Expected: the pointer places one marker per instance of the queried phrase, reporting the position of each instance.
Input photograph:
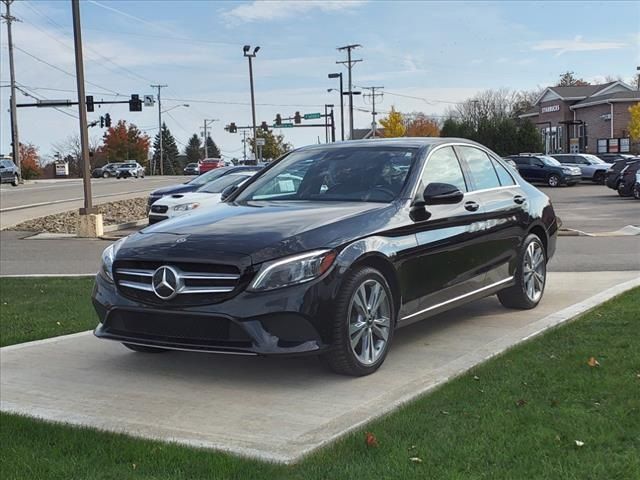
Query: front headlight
(293, 270)
(108, 256)
(183, 207)
(567, 170)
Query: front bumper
(289, 321)
(572, 178)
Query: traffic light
(135, 104)
(278, 119)
(101, 121)
(232, 128)
(107, 120)
(297, 118)
(89, 101)
(264, 126)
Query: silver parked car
(9, 172)
(130, 169)
(592, 167)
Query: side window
(503, 175)
(481, 168)
(443, 167)
(536, 162)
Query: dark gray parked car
(9, 172)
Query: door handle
(519, 199)
(471, 206)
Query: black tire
(105, 174)
(517, 296)
(636, 191)
(599, 178)
(554, 180)
(144, 348)
(16, 180)
(620, 190)
(341, 358)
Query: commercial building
(587, 119)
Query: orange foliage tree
(422, 126)
(125, 142)
(29, 161)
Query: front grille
(197, 283)
(159, 208)
(177, 328)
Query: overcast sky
(441, 52)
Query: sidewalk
(268, 408)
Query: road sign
(283, 125)
(261, 142)
(148, 101)
(311, 116)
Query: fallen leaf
(416, 459)
(593, 362)
(579, 443)
(558, 438)
(444, 412)
(475, 377)
(370, 439)
(521, 403)
(59, 324)
(134, 465)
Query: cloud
(266, 10)
(575, 45)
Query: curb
(124, 226)
(626, 231)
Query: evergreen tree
(212, 149)
(529, 139)
(192, 150)
(169, 150)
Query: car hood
(181, 188)
(189, 197)
(263, 230)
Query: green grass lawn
(517, 416)
(35, 308)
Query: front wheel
(16, 180)
(144, 348)
(530, 276)
(553, 180)
(105, 174)
(599, 178)
(363, 324)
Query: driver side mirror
(226, 193)
(442, 194)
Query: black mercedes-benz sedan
(330, 249)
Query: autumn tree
(393, 124)
(169, 151)
(569, 79)
(274, 147)
(419, 125)
(125, 142)
(193, 148)
(29, 161)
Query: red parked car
(210, 164)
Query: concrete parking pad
(273, 409)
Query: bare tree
(70, 150)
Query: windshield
(208, 176)
(129, 165)
(217, 186)
(360, 174)
(593, 160)
(550, 161)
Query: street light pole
(82, 109)
(160, 127)
(251, 56)
(339, 75)
(15, 142)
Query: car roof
(409, 142)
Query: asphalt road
(33, 200)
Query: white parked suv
(208, 195)
(130, 169)
(592, 167)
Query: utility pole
(373, 96)
(82, 110)
(207, 122)
(160, 128)
(350, 63)
(15, 142)
(251, 56)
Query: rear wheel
(363, 324)
(621, 191)
(144, 348)
(530, 276)
(636, 191)
(105, 174)
(16, 180)
(553, 180)
(599, 178)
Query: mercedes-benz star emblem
(165, 283)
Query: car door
(505, 206)
(524, 167)
(447, 262)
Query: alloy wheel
(554, 181)
(369, 321)
(534, 271)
